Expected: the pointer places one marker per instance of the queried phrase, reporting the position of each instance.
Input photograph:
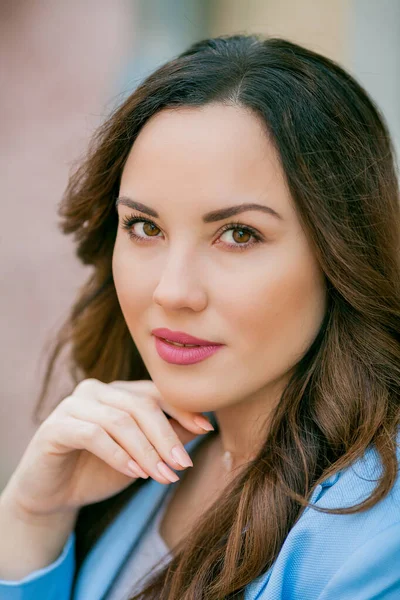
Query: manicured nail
(166, 472)
(180, 456)
(203, 423)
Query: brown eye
(150, 228)
(241, 235)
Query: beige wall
(60, 61)
(321, 25)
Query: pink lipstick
(194, 349)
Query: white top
(150, 549)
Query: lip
(178, 355)
(181, 337)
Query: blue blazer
(324, 557)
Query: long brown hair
(340, 167)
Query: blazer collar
(121, 536)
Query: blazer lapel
(119, 539)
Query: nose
(180, 286)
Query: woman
(246, 195)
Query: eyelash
(129, 221)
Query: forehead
(211, 155)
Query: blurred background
(65, 66)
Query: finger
(192, 421)
(157, 440)
(123, 428)
(154, 431)
(85, 435)
(183, 434)
(156, 427)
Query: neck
(242, 429)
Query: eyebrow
(210, 217)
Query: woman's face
(260, 294)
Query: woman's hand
(81, 453)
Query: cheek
(277, 310)
(130, 282)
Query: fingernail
(203, 423)
(180, 456)
(166, 472)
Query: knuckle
(90, 431)
(86, 385)
(46, 428)
(66, 404)
(152, 405)
(119, 418)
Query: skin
(265, 303)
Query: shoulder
(356, 483)
(325, 554)
(347, 488)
